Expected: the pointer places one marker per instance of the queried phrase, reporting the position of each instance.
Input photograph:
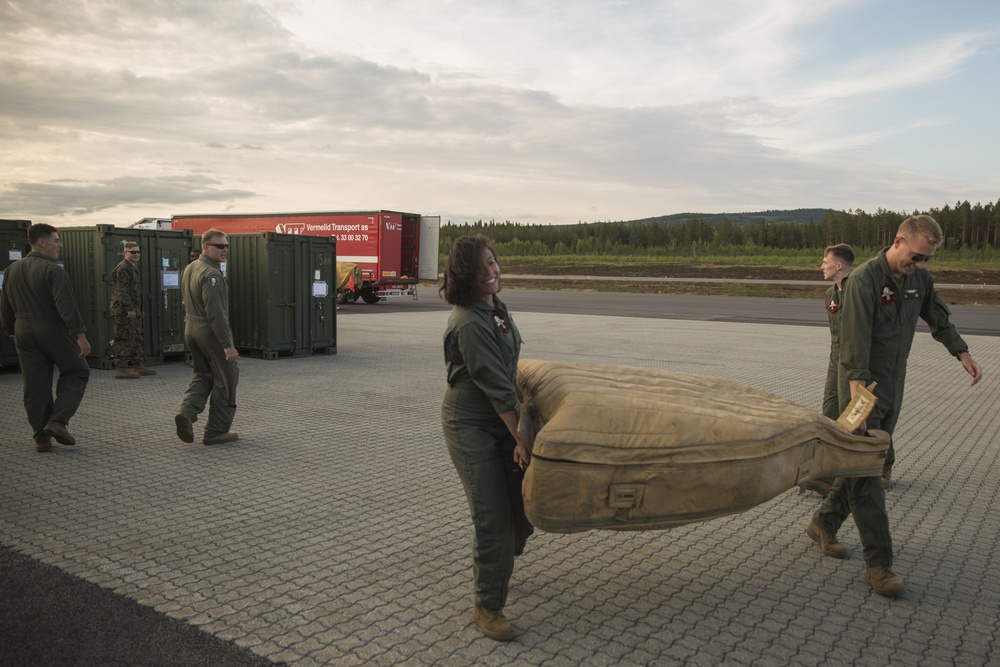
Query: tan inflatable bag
(623, 448)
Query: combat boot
(125, 374)
(58, 430)
(142, 370)
(493, 624)
(44, 446)
(184, 429)
(221, 438)
(884, 581)
(828, 542)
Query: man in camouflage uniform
(210, 339)
(126, 308)
(37, 306)
(882, 300)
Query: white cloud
(551, 111)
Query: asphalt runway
(970, 320)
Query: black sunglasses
(916, 256)
(134, 252)
(220, 246)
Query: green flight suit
(481, 349)
(37, 306)
(126, 295)
(878, 322)
(831, 404)
(206, 331)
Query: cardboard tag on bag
(859, 408)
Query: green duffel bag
(624, 448)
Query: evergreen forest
(971, 232)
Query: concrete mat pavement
(336, 532)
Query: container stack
(90, 254)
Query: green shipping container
(13, 246)
(282, 293)
(90, 254)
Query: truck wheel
(370, 296)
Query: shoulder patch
(213, 281)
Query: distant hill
(802, 215)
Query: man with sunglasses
(206, 330)
(126, 309)
(881, 303)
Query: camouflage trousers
(128, 342)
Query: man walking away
(37, 306)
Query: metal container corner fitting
(90, 255)
(282, 293)
(13, 246)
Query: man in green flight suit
(126, 308)
(881, 303)
(37, 306)
(837, 262)
(206, 330)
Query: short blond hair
(210, 234)
(925, 226)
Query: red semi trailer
(394, 250)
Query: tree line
(965, 227)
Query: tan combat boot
(493, 624)
(125, 374)
(142, 370)
(221, 438)
(828, 542)
(884, 581)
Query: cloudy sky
(535, 111)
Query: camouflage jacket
(126, 293)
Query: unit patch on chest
(502, 323)
(888, 295)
